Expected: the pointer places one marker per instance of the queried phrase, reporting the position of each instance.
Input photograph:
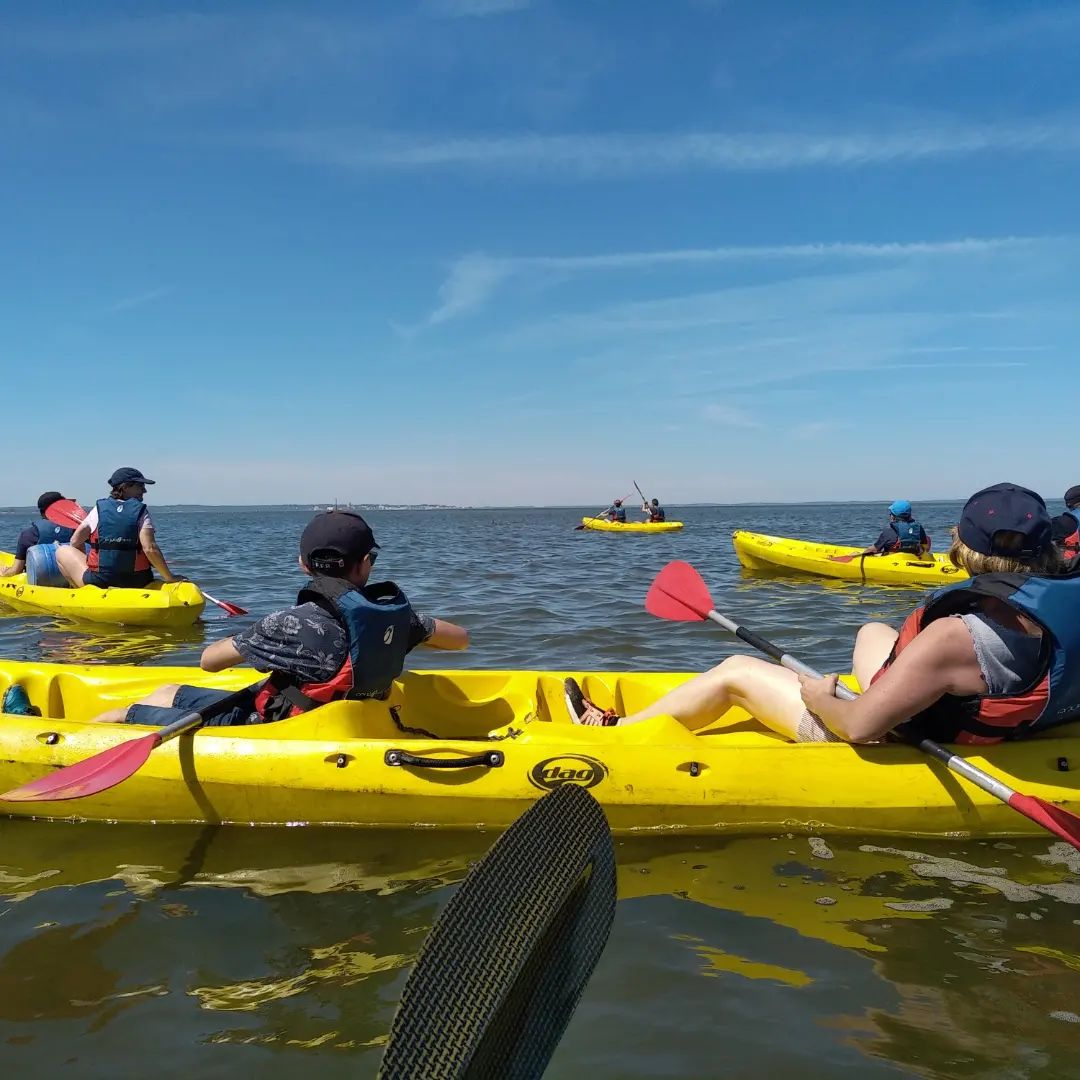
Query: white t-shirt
(91, 520)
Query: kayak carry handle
(490, 759)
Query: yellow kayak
(368, 763)
(159, 604)
(603, 525)
(759, 552)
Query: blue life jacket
(656, 513)
(910, 534)
(1054, 696)
(114, 544)
(49, 532)
(377, 620)
(619, 513)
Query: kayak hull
(331, 766)
(159, 604)
(600, 525)
(759, 552)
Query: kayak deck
(333, 765)
(759, 552)
(158, 604)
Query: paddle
(66, 513)
(229, 609)
(95, 774)
(679, 593)
(848, 558)
(578, 528)
(505, 964)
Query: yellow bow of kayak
(756, 551)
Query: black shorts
(137, 579)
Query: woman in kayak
(123, 549)
(973, 676)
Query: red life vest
(1070, 546)
(1053, 697)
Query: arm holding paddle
(447, 635)
(940, 660)
(150, 549)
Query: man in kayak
(59, 517)
(616, 512)
(123, 550)
(903, 533)
(980, 662)
(345, 638)
(1066, 527)
(654, 511)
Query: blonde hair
(1048, 562)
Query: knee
(733, 667)
(63, 555)
(873, 631)
(163, 695)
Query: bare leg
(72, 564)
(162, 696)
(767, 691)
(873, 644)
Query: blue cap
(900, 508)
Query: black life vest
(1052, 698)
(377, 620)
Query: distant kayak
(759, 552)
(602, 525)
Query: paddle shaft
(604, 511)
(957, 764)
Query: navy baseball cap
(1005, 508)
(46, 499)
(127, 475)
(1072, 497)
(335, 538)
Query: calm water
(213, 950)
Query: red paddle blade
(679, 593)
(1056, 819)
(229, 609)
(66, 512)
(88, 777)
(843, 558)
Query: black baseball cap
(127, 475)
(1005, 508)
(1072, 497)
(333, 539)
(46, 500)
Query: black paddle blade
(507, 960)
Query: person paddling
(345, 638)
(1066, 527)
(902, 534)
(123, 549)
(616, 512)
(57, 521)
(985, 660)
(654, 511)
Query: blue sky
(522, 251)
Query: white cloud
(461, 9)
(474, 278)
(729, 416)
(138, 299)
(616, 154)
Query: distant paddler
(902, 534)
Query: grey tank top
(1008, 658)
